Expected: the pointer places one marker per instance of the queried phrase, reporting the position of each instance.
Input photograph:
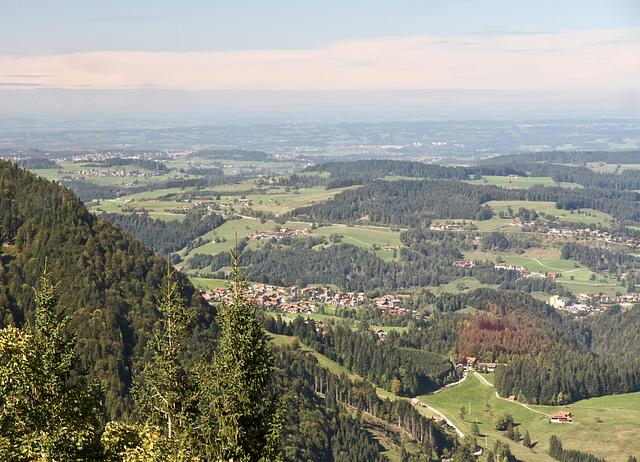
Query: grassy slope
(615, 437)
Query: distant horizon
(309, 105)
(458, 59)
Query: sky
(273, 55)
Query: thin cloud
(22, 84)
(558, 61)
(26, 76)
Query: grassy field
(576, 277)
(460, 285)
(207, 284)
(279, 201)
(549, 208)
(607, 427)
(365, 237)
(520, 183)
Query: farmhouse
(561, 417)
(466, 264)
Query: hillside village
(308, 300)
(294, 300)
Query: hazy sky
(160, 55)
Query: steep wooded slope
(107, 280)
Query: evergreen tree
(526, 441)
(510, 431)
(46, 410)
(555, 447)
(167, 396)
(248, 417)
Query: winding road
(506, 399)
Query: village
(311, 299)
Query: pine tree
(47, 412)
(526, 441)
(166, 395)
(463, 412)
(555, 447)
(248, 417)
(510, 432)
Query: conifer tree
(47, 412)
(526, 441)
(166, 395)
(248, 417)
(555, 447)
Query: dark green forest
(163, 236)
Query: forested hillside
(410, 202)
(165, 236)
(108, 281)
(426, 260)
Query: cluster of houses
(452, 226)
(523, 270)
(104, 173)
(520, 269)
(306, 300)
(237, 202)
(594, 303)
(464, 263)
(588, 232)
(279, 233)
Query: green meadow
(549, 208)
(520, 183)
(576, 277)
(608, 427)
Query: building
(561, 417)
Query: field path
(446, 420)
(506, 399)
(357, 240)
(542, 264)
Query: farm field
(207, 284)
